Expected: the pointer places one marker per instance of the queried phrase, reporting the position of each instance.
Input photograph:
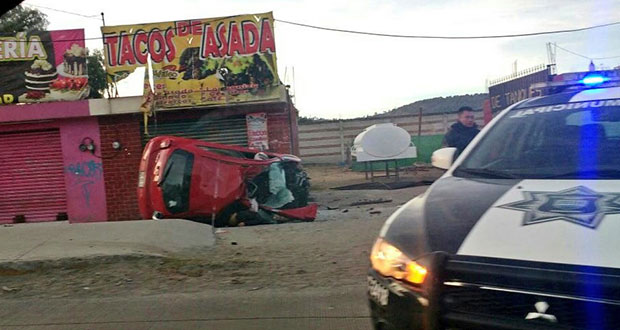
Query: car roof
(573, 96)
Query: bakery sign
(43, 66)
(199, 61)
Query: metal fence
(327, 143)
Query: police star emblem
(579, 205)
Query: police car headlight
(391, 262)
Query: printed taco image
(242, 70)
(193, 67)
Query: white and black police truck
(523, 229)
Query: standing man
(463, 131)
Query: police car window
(548, 143)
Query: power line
(586, 57)
(404, 36)
(377, 34)
(447, 37)
(64, 11)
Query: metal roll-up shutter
(227, 131)
(32, 182)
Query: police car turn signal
(389, 261)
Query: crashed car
(521, 232)
(221, 184)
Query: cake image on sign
(38, 78)
(74, 61)
(72, 82)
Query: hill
(435, 105)
(439, 105)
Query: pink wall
(40, 111)
(86, 200)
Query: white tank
(383, 142)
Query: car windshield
(562, 141)
(176, 180)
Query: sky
(338, 75)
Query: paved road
(311, 308)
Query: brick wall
(120, 168)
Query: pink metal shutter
(32, 180)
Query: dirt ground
(331, 251)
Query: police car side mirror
(443, 158)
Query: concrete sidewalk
(61, 240)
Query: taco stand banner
(43, 66)
(198, 62)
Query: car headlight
(141, 179)
(390, 261)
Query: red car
(230, 185)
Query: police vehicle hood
(558, 221)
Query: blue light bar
(593, 80)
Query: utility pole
(103, 18)
(551, 51)
(420, 122)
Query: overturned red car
(224, 184)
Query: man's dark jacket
(459, 136)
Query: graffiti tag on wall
(87, 173)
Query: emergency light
(593, 80)
(576, 81)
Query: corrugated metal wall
(227, 130)
(32, 180)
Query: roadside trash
(221, 231)
(239, 185)
(332, 207)
(255, 288)
(372, 201)
(375, 212)
(345, 211)
(233, 243)
(7, 289)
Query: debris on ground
(383, 185)
(371, 201)
(375, 212)
(7, 289)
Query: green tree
(21, 19)
(96, 75)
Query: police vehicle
(522, 231)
